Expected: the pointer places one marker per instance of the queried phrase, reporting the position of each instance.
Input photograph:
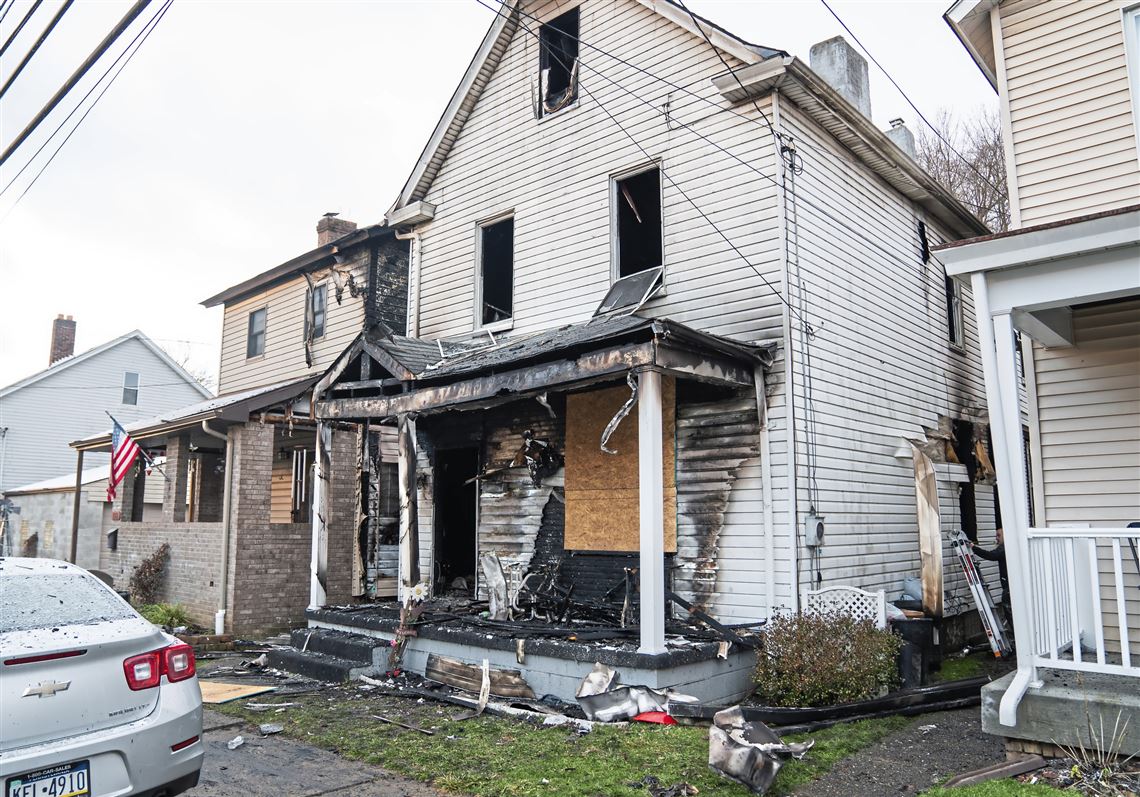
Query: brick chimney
(329, 228)
(844, 70)
(62, 339)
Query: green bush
(823, 659)
(165, 614)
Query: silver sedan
(94, 700)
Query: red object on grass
(658, 717)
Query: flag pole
(142, 452)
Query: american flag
(123, 453)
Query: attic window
(318, 304)
(255, 337)
(496, 271)
(558, 62)
(638, 209)
(130, 388)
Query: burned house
(237, 479)
(671, 313)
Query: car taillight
(179, 662)
(145, 670)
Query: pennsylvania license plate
(65, 780)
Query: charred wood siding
(713, 441)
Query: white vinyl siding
(283, 357)
(1071, 111)
(881, 368)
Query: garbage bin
(917, 654)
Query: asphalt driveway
(273, 766)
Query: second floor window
(955, 333)
(318, 302)
(558, 62)
(638, 211)
(130, 388)
(496, 271)
(255, 339)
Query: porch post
(995, 333)
(76, 503)
(651, 494)
(319, 563)
(409, 521)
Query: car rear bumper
(131, 759)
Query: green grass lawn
(494, 757)
(1000, 788)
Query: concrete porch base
(1070, 709)
(557, 667)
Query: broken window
(318, 302)
(130, 388)
(300, 485)
(255, 338)
(558, 62)
(954, 331)
(497, 270)
(638, 244)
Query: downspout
(413, 322)
(227, 488)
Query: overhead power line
(20, 27)
(921, 116)
(76, 76)
(36, 46)
(128, 53)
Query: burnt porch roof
(561, 357)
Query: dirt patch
(912, 759)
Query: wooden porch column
(319, 567)
(76, 503)
(651, 496)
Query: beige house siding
(1070, 108)
(1089, 404)
(284, 356)
(1089, 407)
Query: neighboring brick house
(239, 468)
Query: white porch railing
(1080, 582)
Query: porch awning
(232, 408)
(379, 377)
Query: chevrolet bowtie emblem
(46, 689)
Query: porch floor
(554, 659)
(1071, 709)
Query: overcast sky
(238, 124)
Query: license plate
(65, 780)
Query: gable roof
(75, 359)
(821, 102)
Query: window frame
(251, 355)
(504, 324)
(955, 315)
(1130, 27)
(615, 237)
(318, 329)
(540, 107)
(126, 387)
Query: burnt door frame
(439, 499)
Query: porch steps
(327, 655)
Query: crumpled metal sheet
(749, 753)
(603, 700)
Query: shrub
(170, 615)
(826, 658)
(146, 580)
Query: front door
(456, 503)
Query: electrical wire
(20, 27)
(664, 174)
(144, 34)
(5, 7)
(909, 102)
(35, 47)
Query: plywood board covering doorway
(602, 489)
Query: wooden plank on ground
(223, 692)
